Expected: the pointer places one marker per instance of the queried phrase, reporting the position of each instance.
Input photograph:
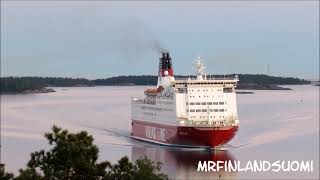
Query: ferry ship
(199, 111)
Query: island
(11, 84)
(20, 85)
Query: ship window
(221, 110)
(204, 110)
(215, 103)
(187, 110)
(192, 110)
(215, 110)
(197, 103)
(203, 103)
(198, 110)
(192, 103)
(186, 103)
(227, 90)
(209, 103)
(221, 103)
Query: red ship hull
(181, 135)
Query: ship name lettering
(155, 133)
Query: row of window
(156, 108)
(165, 102)
(144, 101)
(205, 110)
(149, 114)
(204, 90)
(206, 103)
(206, 83)
(203, 117)
(205, 96)
(153, 102)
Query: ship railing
(197, 123)
(209, 77)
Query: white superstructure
(195, 101)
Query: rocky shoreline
(42, 90)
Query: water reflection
(182, 163)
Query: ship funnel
(165, 65)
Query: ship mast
(200, 68)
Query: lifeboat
(153, 91)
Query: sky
(106, 38)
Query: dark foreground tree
(3, 174)
(143, 168)
(74, 157)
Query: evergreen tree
(74, 157)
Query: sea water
(274, 126)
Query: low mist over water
(274, 125)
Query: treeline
(259, 79)
(270, 80)
(21, 84)
(127, 80)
